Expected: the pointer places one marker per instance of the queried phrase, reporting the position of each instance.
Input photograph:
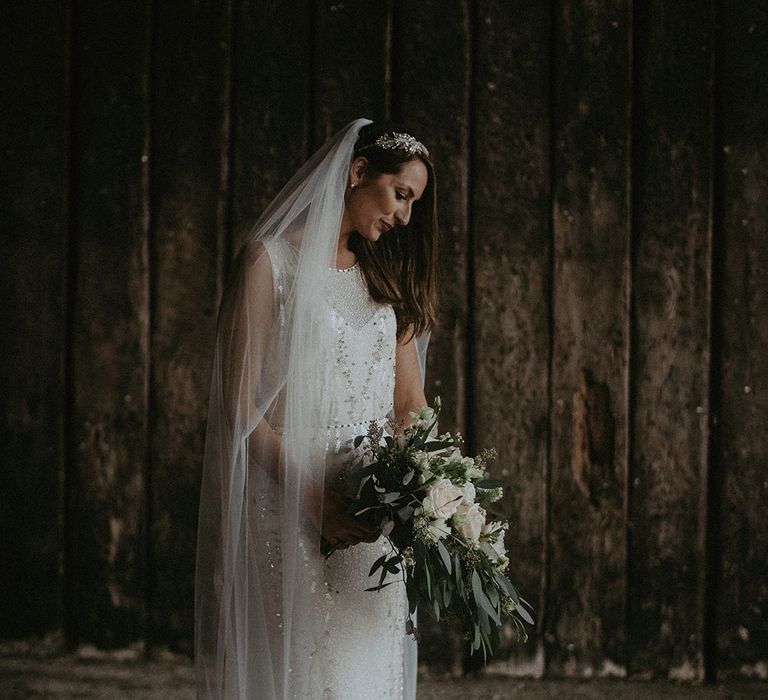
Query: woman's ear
(358, 170)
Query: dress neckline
(346, 269)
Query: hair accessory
(396, 140)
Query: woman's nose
(403, 215)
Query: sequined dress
(359, 648)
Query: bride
(322, 329)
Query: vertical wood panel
(189, 149)
(34, 186)
(586, 600)
(671, 283)
(270, 120)
(351, 61)
(430, 95)
(512, 248)
(742, 297)
(110, 348)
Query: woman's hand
(338, 527)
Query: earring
(352, 186)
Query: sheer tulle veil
(258, 545)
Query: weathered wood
(430, 96)
(189, 155)
(435, 104)
(351, 64)
(741, 298)
(271, 104)
(670, 348)
(34, 142)
(512, 281)
(110, 323)
(585, 625)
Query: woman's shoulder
(283, 254)
(265, 255)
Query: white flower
(469, 521)
(422, 460)
(401, 441)
(492, 542)
(426, 415)
(455, 456)
(437, 529)
(425, 476)
(442, 499)
(502, 562)
(468, 493)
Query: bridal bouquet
(432, 505)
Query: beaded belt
(333, 432)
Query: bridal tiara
(399, 141)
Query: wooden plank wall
(602, 174)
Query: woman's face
(379, 203)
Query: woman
(318, 333)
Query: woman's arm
(409, 393)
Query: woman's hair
(401, 267)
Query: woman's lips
(385, 226)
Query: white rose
(469, 521)
(442, 499)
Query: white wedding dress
(355, 646)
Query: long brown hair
(401, 267)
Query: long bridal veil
(258, 557)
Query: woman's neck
(344, 256)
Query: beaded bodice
(364, 362)
(353, 644)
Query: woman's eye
(400, 195)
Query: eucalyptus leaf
(490, 484)
(520, 610)
(457, 573)
(482, 599)
(436, 445)
(405, 513)
(444, 555)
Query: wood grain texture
(270, 105)
(111, 324)
(34, 184)
(585, 624)
(741, 447)
(351, 76)
(670, 358)
(430, 96)
(189, 152)
(512, 279)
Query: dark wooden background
(602, 175)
